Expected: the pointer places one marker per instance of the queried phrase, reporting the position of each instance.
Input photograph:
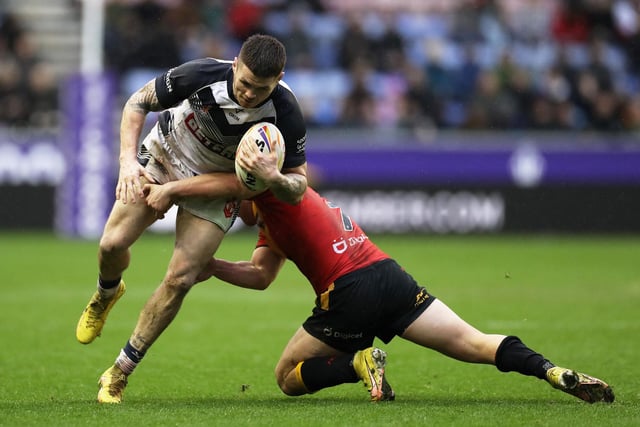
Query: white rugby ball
(267, 137)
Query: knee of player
(179, 283)
(110, 244)
(289, 381)
(286, 389)
(281, 376)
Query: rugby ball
(267, 137)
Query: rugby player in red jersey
(362, 293)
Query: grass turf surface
(574, 299)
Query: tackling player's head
(258, 69)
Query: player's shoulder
(285, 91)
(211, 67)
(182, 81)
(285, 102)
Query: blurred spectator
(389, 45)
(139, 36)
(28, 86)
(43, 96)
(570, 23)
(297, 41)
(244, 17)
(14, 93)
(359, 106)
(543, 114)
(355, 45)
(597, 64)
(521, 89)
(422, 109)
(605, 112)
(10, 30)
(439, 76)
(599, 13)
(466, 74)
(492, 107)
(568, 116)
(586, 92)
(630, 114)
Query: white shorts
(165, 168)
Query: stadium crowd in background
(459, 65)
(28, 87)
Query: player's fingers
(124, 192)
(118, 190)
(132, 192)
(148, 176)
(135, 188)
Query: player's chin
(247, 104)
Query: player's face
(248, 89)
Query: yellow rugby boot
(387, 391)
(95, 314)
(111, 385)
(580, 385)
(369, 366)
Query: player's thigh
(302, 346)
(126, 223)
(197, 240)
(440, 328)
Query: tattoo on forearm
(291, 189)
(145, 99)
(297, 183)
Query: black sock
(109, 284)
(513, 355)
(322, 372)
(132, 353)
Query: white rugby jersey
(203, 123)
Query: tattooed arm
(290, 185)
(135, 111)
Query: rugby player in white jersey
(205, 106)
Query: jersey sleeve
(263, 240)
(179, 83)
(292, 124)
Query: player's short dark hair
(264, 55)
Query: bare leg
(196, 242)
(125, 225)
(302, 346)
(441, 329)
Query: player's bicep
(268, 261)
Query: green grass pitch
(573, 298)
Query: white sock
(107, 293)
(125, 363)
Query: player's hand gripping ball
(267, 137)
